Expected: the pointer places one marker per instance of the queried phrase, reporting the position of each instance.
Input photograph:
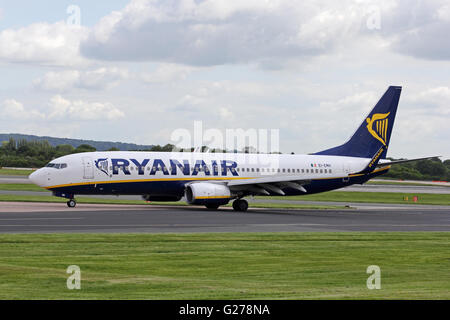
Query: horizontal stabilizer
(388, 163)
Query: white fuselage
(147, 166)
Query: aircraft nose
(37, 178)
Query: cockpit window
(56, 165)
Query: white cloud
(357, 101)
(43, 43)
(220, 32)
(101, 78)
(418, 28)
(270, 33)
(432, 101)
(13, 109)
(61, 108)
(217, 32)
(166, 72)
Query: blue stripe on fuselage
(177, 187)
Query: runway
(57, 218)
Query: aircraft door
(88, 168)
(346, 170)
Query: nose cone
(37, 178)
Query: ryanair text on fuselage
(216, 168)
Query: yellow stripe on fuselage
(188, 179)
(374, 171)
(144, 180)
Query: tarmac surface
(20, 217)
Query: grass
(13, 172)
(371, 197)
(27, 198)
(21, 187)
(414, 265)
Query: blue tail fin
(373, 135)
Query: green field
(226, 265)
(13, 172)
(21, 187)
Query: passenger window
(303, 170)
(329, 171)
(257, 169)
(288, 170)
(321, 171)
(253, 169)
(317, 170)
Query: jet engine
(208, 194)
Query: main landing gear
(240, 205)
(71, 203)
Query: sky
(139, 70)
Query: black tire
(240, 205)
(212, 206)
(71, 203)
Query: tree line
(433, 169)
(35, 154)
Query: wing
(269, 185)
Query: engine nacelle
(205, 193)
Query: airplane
(215, 179)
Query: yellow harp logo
(379, 132)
